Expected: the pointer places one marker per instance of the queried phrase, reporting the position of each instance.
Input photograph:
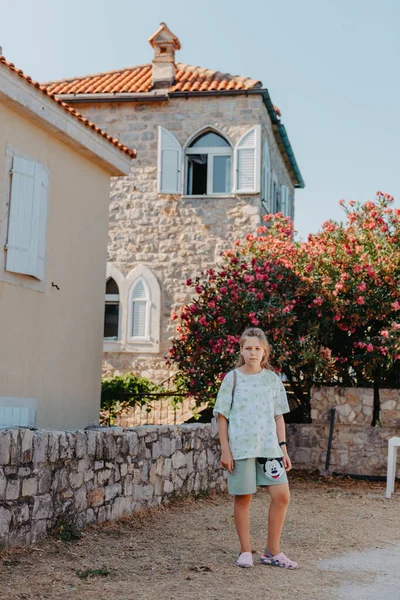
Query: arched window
(140, 309)
(209, 165)
(111, 314)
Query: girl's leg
(280, 497)
(241, 512)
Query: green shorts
(248, 473)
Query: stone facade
(357, 447)
(85, 477)
(176, 237)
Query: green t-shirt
(257, 400)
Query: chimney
(164, 43)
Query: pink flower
(188, 282)
(337, 318)
(318, 301)
(223, 290)
(370, 348)
(203, 321)
(360, 300)
(198, 289)
(288, 308)
(221, 320)
(396, 305)
(362, 287)
(385, 333)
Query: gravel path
(344, 534)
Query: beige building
(214, 157)
(55, 170)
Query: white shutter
(169, 163)
(141, 306)
(266, 178)
(139, 318)
(26, 242)
(247, 162)
(285, 200)
(18, 412)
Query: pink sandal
(245, 560)
(279, 560)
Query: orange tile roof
(129, 151)
(139, 79)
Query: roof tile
(139, 79)
(50, 93)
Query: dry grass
(187, 549)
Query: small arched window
(111, 314)
(209, 165)
(140, 307)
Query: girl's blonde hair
(255, 332)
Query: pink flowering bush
(330, 306)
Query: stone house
(55, 170)
(213, 158)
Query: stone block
(13, 489)
(111, 491)
(44, 480)
(95, 497)
(40, 447)
(123, 470)
(42, 507)
(5, 444)
(27, 445)
(103, 476)
(21, 514)
(88, 475)
(121, 508)
(53, 451)
(76, 480)
(168, 487)
(81, 444)
(38, 531)
(5, 520)
(179, 460)
(3, 484)
(80, 500)
(29, 487)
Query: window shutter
(266, 178)
(139, 318)
(285, 200)
(247, 162)
(169, 163)
(26, 243)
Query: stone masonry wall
(176, 237)
(88, 477)
(357, 447)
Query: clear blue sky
(332, 67)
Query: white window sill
(206, 196)
(140, 347)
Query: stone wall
(88, 477)
(176, 237)
(357, 447)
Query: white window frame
(147, 302)
(19, 279)
(114, 299)
(126, 343)
(212, 152)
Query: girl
(250, 407)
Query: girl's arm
(281, 432)
(226, 455)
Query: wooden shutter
(285, 200)
(169, 163)
(26, 242)
(247, 162)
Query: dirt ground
(187, 550)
